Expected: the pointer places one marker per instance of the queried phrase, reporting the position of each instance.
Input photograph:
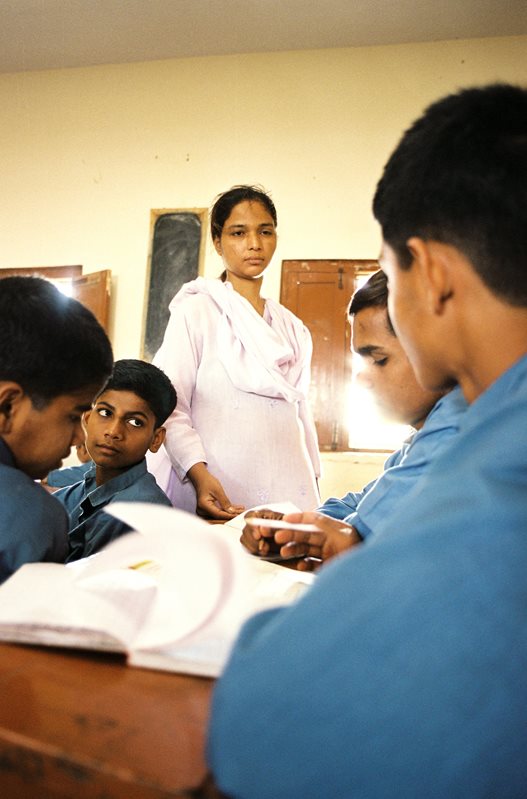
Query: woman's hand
(211, 500)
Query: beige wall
(86, 153)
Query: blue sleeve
(33, 525)
(394, 484)
(343, 507)
(401, 672)
(58, 478)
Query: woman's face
(248, 240)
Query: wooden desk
(88, 726)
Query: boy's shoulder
(139, 485)
(33, 525)
(68, 475)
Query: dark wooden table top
(86, 725)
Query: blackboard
(175, 259)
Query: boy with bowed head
(434, 415)
(54, 357)
(418, 687)
(242, 434)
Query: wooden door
(94, 291)
(51, 272)
(319, 293)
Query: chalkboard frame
(150, 284)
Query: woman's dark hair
(224, 203)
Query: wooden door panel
(52, 272)
(319, 293)
(94, 291)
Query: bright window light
(368, 429)
(65, 285)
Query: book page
(41, 603)
(146, 589)
(197, 569)
(172, 595)
(260, 585)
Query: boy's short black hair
(50, 344)
(373, 294)
(459, 176)
(148, 382)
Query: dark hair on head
(459, 176)
(224, 203)
(50, 344)
(373, 294)
(148, 382)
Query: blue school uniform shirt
(367, 509)
(403, 670)
(33, 525)
(90, 527)
(67, 476)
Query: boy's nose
(364, 379)
(113, 430)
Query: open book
(172, 595)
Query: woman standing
(242, 434)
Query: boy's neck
(494, 350)
(103, 475)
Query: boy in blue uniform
(435, 416)
(54, 357)
(402, 671)
(126, 421)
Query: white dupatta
(259, 357)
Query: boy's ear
(11, 394)
(157, 439)
(432, 261)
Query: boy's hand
(260, 540)
(332, 538)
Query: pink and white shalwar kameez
(242, 383)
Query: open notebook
(172, 595)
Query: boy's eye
(104, 412)
(381, 362)
(135, 422)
